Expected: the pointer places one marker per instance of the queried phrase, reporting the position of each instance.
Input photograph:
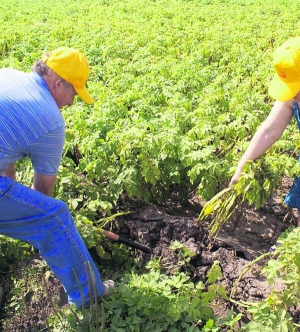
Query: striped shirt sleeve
(46, 152)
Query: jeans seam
(58, 220)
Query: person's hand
(235, 178)
(10, 171)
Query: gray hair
(42, 69)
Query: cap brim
(282, 91)
(84, 95)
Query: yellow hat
(286, 82)
(71, 65)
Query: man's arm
(43, 183)
(10, 171)
(45, 154)
(267, 134)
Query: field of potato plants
(180, 87)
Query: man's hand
(10, 171)
(43, 183)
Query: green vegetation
(180, 87)
(256, 185)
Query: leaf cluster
(256, 185)
(163, 303)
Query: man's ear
(58, 83)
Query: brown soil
(247, 236)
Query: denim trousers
(47, 224)
(292, 199)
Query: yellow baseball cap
(286, 83)
(72, 66)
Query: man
(285, 89)
(31, 125)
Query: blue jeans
(292, 199)
(46, 223)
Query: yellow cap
(72, 66)
(286, 82)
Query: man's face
(63, 94)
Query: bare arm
(10, 171)
(43, 183)
(267, 134)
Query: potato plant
(180, 87)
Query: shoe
(109, 286)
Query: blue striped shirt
(30, 122)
